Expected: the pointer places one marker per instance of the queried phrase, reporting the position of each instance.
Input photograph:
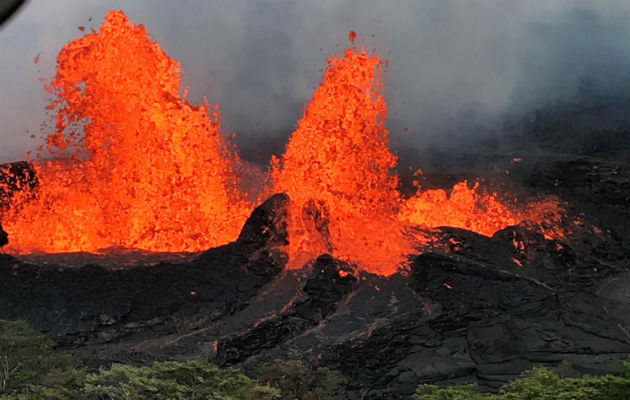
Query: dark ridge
(91, 305)
(329, 280)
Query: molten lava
(337, 171)
(465, 207)
(140, 167)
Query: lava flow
(142, 168)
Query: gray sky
(454, 64)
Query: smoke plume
(456, 68)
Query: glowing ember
(140, 167)
(150, 171)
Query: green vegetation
(28, 364)
(192, 380)
(540, 383)
(30, 369)
(296, 380)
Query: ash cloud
(456, 68)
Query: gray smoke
(456, 67)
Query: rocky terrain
(469, 308)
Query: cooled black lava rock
(329, 280)
(267, 226)
(93, 304)
(259, 247)
(490, 318)
(471, 308)
(4, 237)
(15, 177)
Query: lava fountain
(337, 170)
(140, 167)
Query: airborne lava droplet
(352, 35)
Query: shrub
(296, 380)
(541, 384)
(30, 369)
(192, 380)
(29, 364)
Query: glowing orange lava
(142, 168)
(474, 208)
(150, 170)
(337, 171)
(465, 207)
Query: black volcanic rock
(4, 237)
(267, 226)
(15, 177)
(259, 247)
(328, 281)
(483, 322)
(470, 308)
(465, 311)
(460, 313)
(92, 305)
